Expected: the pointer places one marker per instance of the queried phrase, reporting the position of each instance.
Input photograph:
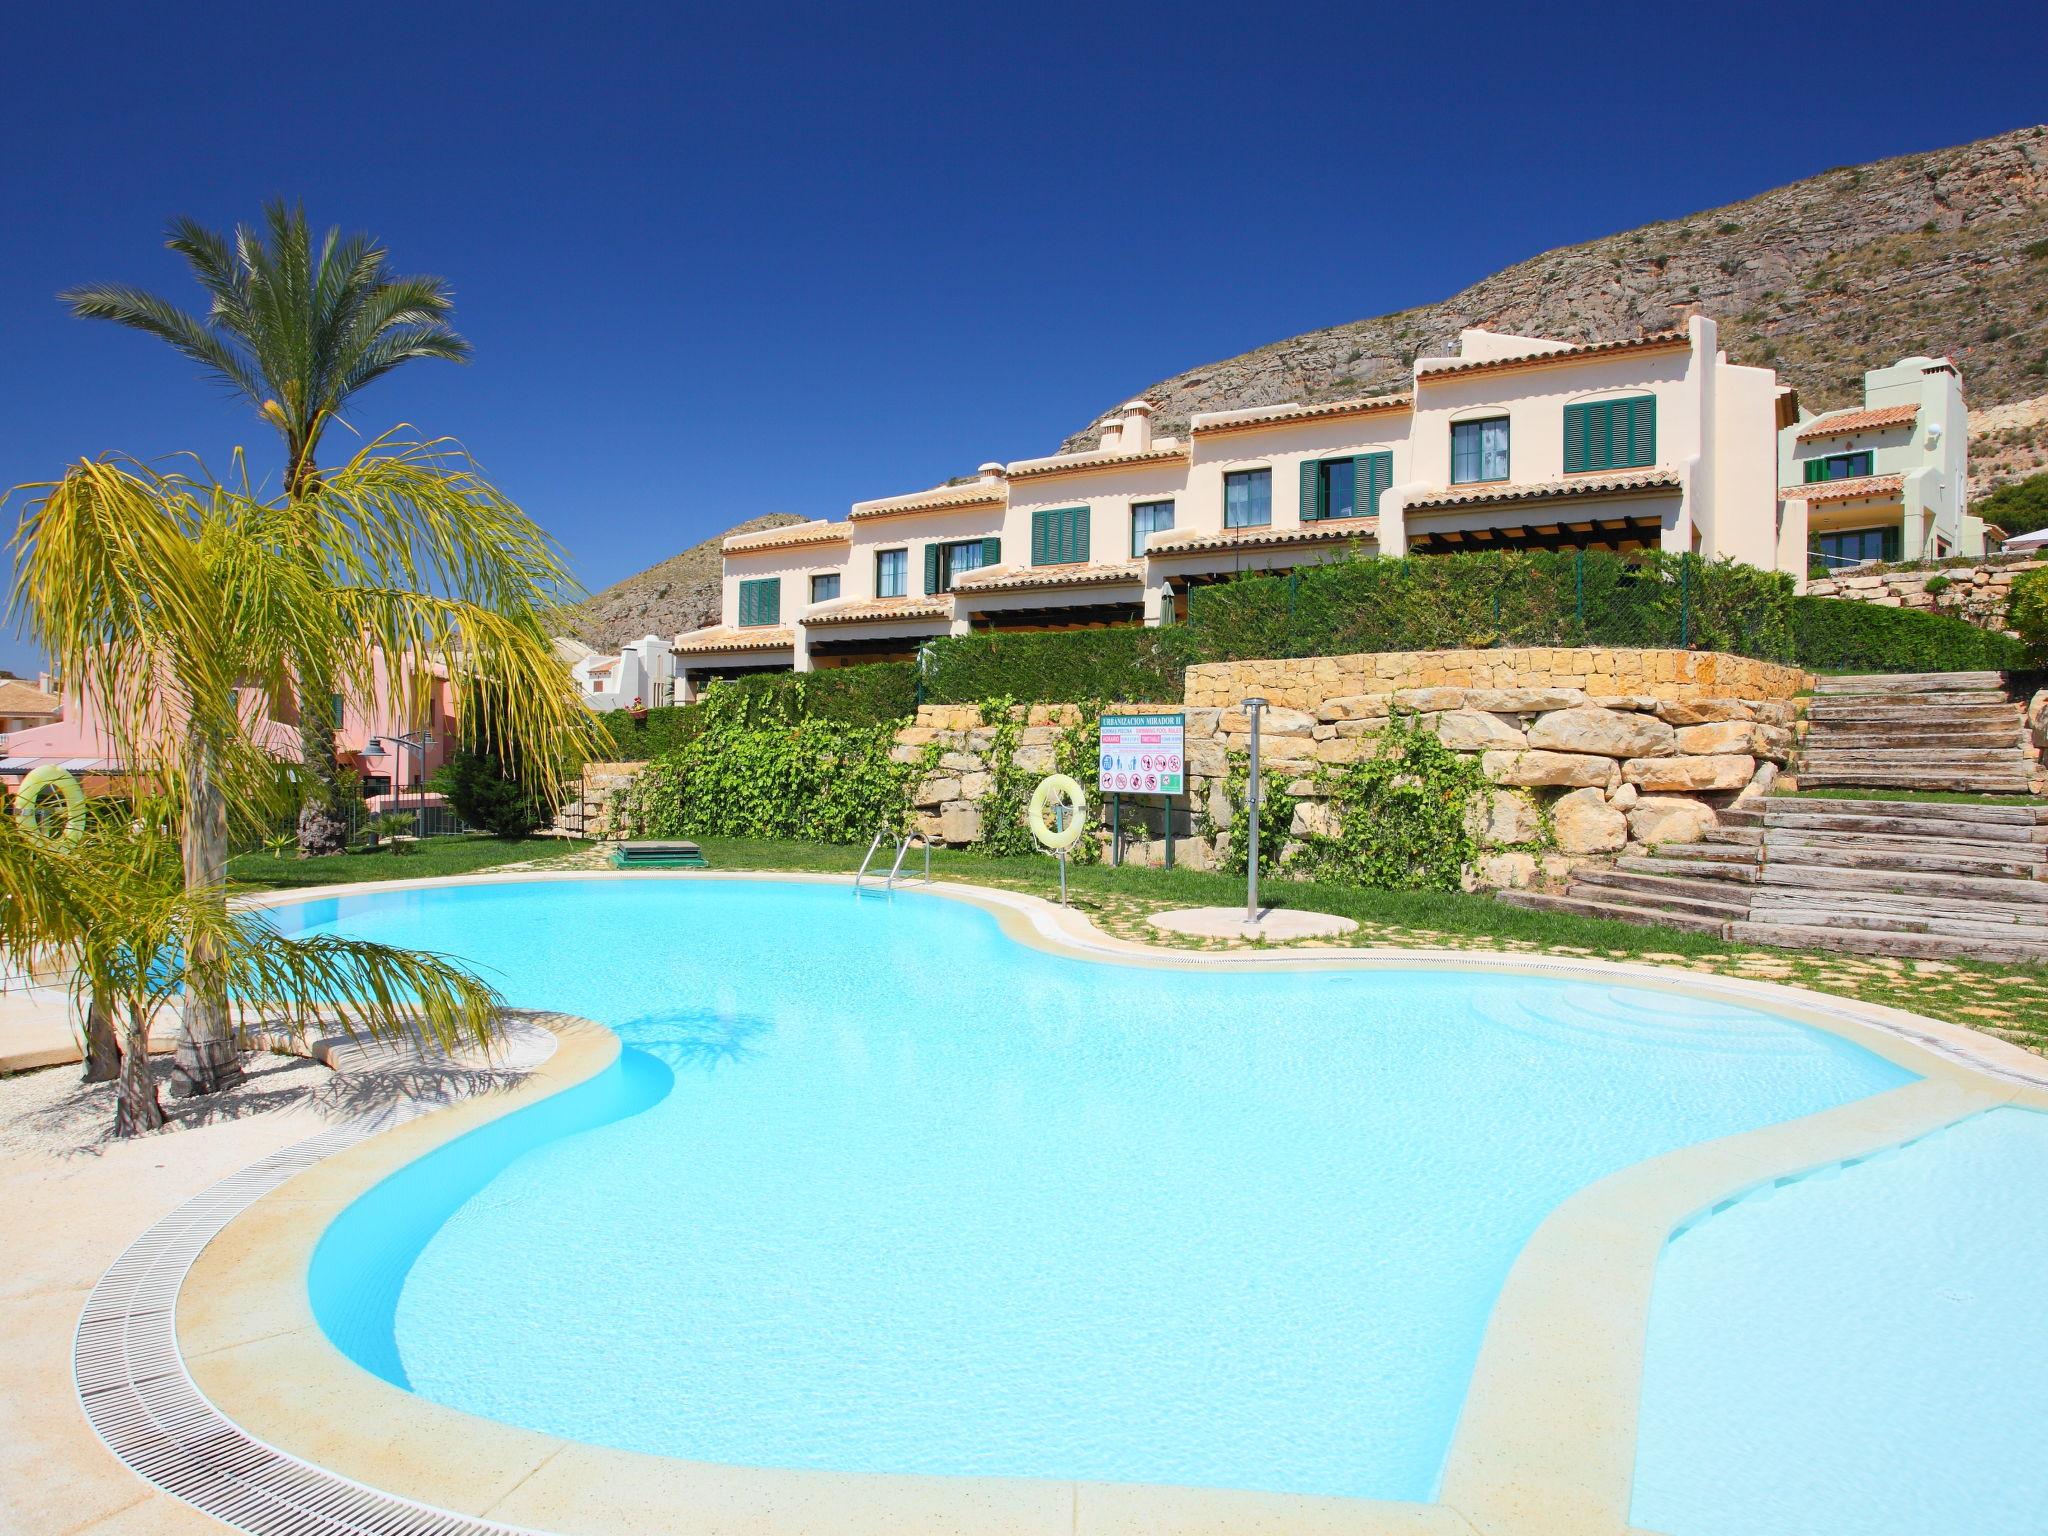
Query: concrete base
(1275, 925)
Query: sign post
(1252, 707)
(1142, 755)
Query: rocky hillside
(1942, 252)
(678, 594)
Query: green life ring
(28, 801)
(1054, 839)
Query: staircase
(1915, 879)
(1916, 730)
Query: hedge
(884, 693)
(638, 741)
(1058, 667)
(1842, 635)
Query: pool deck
(1545, 1445)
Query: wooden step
(1700, 898)
(1745, 855)
(1905, 945)
(1785, 810)
(1987, 841)
(1822, 878)
(1919, 706)
(1905, 682)
(1746, 836)
(1803, 916)
(1909, 757)
(1743, 873)
(1933, 856)
(1864, 735)
(2000, 914)
(1613, 911)
(1740, 816)
(1966, 782)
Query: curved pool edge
(1546, 1442)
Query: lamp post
(415, 742)
(1252, 707)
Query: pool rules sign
(1142, 754)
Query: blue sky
(723, 261)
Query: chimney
(1112, 436)
(992, 471)
(1137, 432)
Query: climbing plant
(1401, 818)
(1276, 816)
(1004, 831)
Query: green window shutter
(992, 551)
(746, 603)
(1078, 521)
(931, 570)
(761, 601)
(1041, 538)
(771, 601)
(1816, 469)
(1311, 490)
(1577, 429)
(1371, 473)
(1642, 430)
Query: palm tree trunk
(207, 1060)
(102, 1050)
(137, 1110)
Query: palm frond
(144, 311)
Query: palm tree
(181, 605)
(296, 332)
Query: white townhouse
(642, 673)
(1516, 442)
(1889, 479)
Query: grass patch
(424, 860)
(1923, 796)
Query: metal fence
(369, 828)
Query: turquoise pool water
(1862, 1352)
(877, 1188)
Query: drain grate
(144, 1405)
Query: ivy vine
(1403, 816)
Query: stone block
(1033, 760)
(1641, 703)
(936, 790)
(1771, 741)
(1669, 819)
(1354, 706)
(1622, 796)
(1503, 816)
(1680, 774)
(1720, 736)
(960, 762)
(1584, 823)
(1275, 721)
(1568, 769)
(1313, 818)
(1505, 871)
(1341, 749)
(1428, 700)
(1524, 701)
(1474, 730)
(973, 785)
(960, 823)
(1608, 732)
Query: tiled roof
(1844, 490)
(789, 536)
(1334, 530)
(22, 698)
(1577, 488)
(1166, 451)
(1211, 423)
(1027, 578)
(1859, 421)
(876, 610)
(976, 493)
(719, 638)
(1656, 341)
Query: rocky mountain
(666, 599)
(1941, 252)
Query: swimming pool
(876, 1187)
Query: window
(945, 564)
(892, 573)
(825, 588)
(1059, 537)
(1148, 518)
(1247, 498)
(1348, 487)
(1610, 434)
(761, 601)
(1849, 545)
(1479, 451)
(338, 710)
(1839, 466)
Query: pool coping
(1545, 1443)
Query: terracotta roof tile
(24, 698)
(876, 610)
(976, 493)
(1335, 530)
(1844, 490)
(720, 638)
(1168, 451)
(1656, 341)
(1859, 421)
(789, 536)
(1577, 488)
(1211, 423)
(1012, 578)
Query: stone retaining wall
(1592, 752)
(1975, 593)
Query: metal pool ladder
(902, 852)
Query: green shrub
(486, 796)
(637, 741)
(1454, 602)
(1842, 635)
(882, 694)
(2021, 507)
(2027, 612)
(1129, 665)
(1403, 821)
(746, 772)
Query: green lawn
(423, 860)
